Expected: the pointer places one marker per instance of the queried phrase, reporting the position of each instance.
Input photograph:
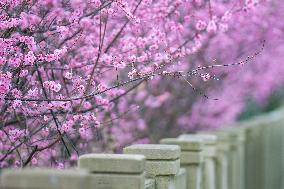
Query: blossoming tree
(73, 71)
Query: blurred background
(230, 52)
(171, 107)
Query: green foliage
(253, 108)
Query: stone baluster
(114, 171)
(191, 159)
(210, 158)
(223, 162)
(162, 164)
(44, 178)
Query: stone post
(255, 149)
(271, 131)
(237, 140)
(250, 163)
(43, 178)
(191, 159)
(223, 159)
(209, 168)
(162, 164)
(114, 171)
(281, 132)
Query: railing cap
(154, 151)
(207, 139)
(186, 144)
(112, 163)
(43, 178)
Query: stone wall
(247, 155)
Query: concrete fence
(247, 155)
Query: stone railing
(245, 156)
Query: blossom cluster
(73, 72)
